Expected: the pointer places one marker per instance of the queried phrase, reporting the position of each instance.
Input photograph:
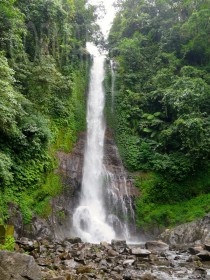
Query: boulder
(4, 275)
(195, 250)
(18, 266)
(74, 240)
(82, 269)
(156, 246)
(128, 262)
(204, 255)
(189, 233)
(200, 271)
(112, 253)
(193, 259)
(71, 264)
(207, 247)
(140, 252)
(119, 243)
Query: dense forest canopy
(161, 53)
(43, 79)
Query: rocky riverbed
(73, 259)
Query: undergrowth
(159, 205)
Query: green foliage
(9, 244)
(167, 204)
(161, 100)
(11, 29)
(5, 169)
(43, 79)
(150, 215)
(161, 115)
(7, 241)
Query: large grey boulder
(156, 246)
(189, 233)
(140, 252)
(18, 266)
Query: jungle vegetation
(161, 112)
(43, 80)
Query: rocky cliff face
(189, 233)
(71, 169)
(114, 165)
(71, 165)
(58, 225)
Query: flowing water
(104, 208)
(120, 213)
(90, 218)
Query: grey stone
(204, 255)
(193, 259)
(156, 246)
(19, 265)
(128, 262)
(71, 263)
(140, 252)
(74, 240)
(207, 247)
(119, 243)
(103, 263)
(200, 271)
(112, 253)
(189, 233)
(195, 250)
(4, 275)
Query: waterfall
(103, 209)
(89, 219)
(119, 203)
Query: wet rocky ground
(73, 259)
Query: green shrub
(168, 204)
(9, 244)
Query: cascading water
(118, 209)
(102, 208)
(89, 219)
